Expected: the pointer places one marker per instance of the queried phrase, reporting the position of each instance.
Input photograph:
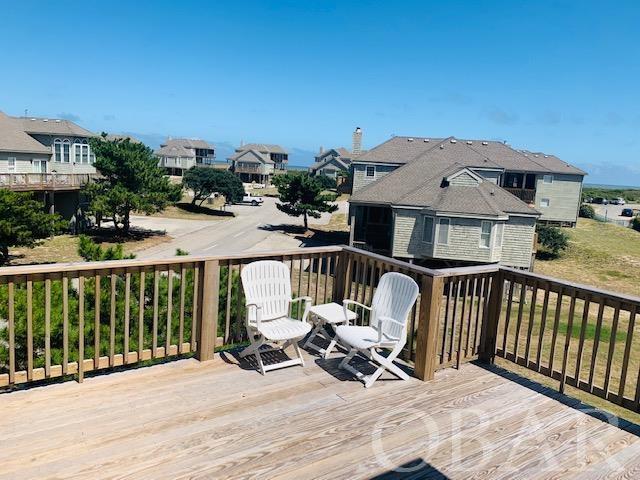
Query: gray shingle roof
(420, 183)
(401, 150)
(182, 147)
(254, 157)
(262, 148)
(15, 133)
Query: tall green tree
(23, 222)
(205, 181)
(301, 195)
(130, 181)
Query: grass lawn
(604, 255)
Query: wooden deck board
(222, 420)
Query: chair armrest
(308, 302)
(258, 313)
(382, 321)
(347, 302)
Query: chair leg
(332, 344)
(348, 358)
(296, 347)
(254, 348)
(387, 362)
(312, 335)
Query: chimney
(357, 141)
(321, 150)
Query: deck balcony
(44, 181)
(468, 411)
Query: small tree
(130, 181)
(92, 252)
(635, 224)
(327, 183)
(301, 194)
(205, 181)
(552, 238)
(587, 211)
(23, 222)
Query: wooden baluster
(167, 342)
(183, 287)
(318, 269)
(627, 353)
(431, 292)
(612, 346)
(300, 270)
(507, 317)
(195, 304)
(239, 319)
(453, 318)
(447, 312)
(596, 344)
(80, 328)
(112, 321)
(567, 341)
(554, 333)
(47, 327)
(532, 317)
(472, 297)
(12, 331)
(127, 301)
(65, 324)
(491, 317)
(543, 322)
(583, 330)
(227, 321)
(522, 299)
(156, 288)
(96, 323)
(29, 329)
(465, 292)
(141, 300)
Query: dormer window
(371, 171)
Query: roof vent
(426, 140)
(485, 143)
(453, 140)
(469, 142)
(410, 139)
(33, 119)
(546, 156)
(441, 146)
(45, 120)
(57, 120)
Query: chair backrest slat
(395, 296)
(267, 283)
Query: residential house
(179, 154)
(46, 155)
(258, 162)
(330, 162)
(442, 201)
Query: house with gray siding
(330, 163)
(176, 155)
(440, 209)
(543, 181)
(258, 162)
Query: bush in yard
(206, 181)
(327, 183)
(635, 224)
(587, 211)
(92, 252)
(552, 238)
(23, 222)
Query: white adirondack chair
(267, 288)
(389, 312)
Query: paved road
(613, 211)
(252, 227)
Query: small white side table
(327, 314)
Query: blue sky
(555, 76)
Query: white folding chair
(267, 288)
(389, 312)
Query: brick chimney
(357, 141)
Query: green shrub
(553, 239)
(635, 224)
(92, 252)
(587, 211)
(327, 183)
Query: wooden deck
(220, 419)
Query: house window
(544, 203)
(61, 150)
(39, 166)
(11, 163)
(66, 151)
(443, 231)
(500, 234)
(371, 171)
(547, 179)
(81, 152)
(485, 235)
(427, 230)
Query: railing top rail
(134, 263)
(622, 297)
(470, 270)
(398, 263)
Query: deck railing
(70, 319)
(44, 181)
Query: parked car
(617, 201)
(627, 212)
(252, 200)
(601, 201)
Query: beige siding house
(176, 155)
(444, 212)
(258, 162)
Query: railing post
(207, 326)
(340, 280)
(489, 333)
(428, 325)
